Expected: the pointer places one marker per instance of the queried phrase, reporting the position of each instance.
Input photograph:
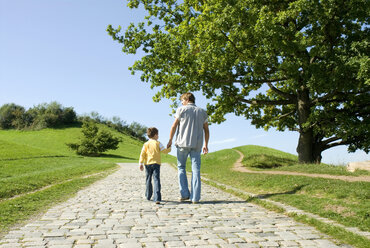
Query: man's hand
(169, 144)
(206, 137)
(141, 167)
(205, 149)
(172, 132)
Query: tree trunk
(309, 149)
(317, 149)
(305, 148)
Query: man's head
(187, 98)
(152, 132)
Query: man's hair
(151, 132)
(188, 96)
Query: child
(151, 157)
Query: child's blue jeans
(153, 170)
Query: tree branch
(285, 115)
(234, 76)
(326, 142)
(339, 143)
(342, 97)
(232, 43)
(258, 81)
(279, 92)
(268, 102)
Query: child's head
(151, 132)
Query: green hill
(37, 169)
(14, 151)
(342, 201)
(54, 141)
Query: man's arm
(206, 137)
(172, 132)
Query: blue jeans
(153, 170)
(182, 155)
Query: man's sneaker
(184, 199)
(157, 202)
(195, 202)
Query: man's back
(190, 131)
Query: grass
(338, 233)
(344, 202)
(38, 170)
(23, 176)
(18, 210)
(263, 158)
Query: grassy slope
(263, 158)
(30, 160)
(33, 160)
(345, 202)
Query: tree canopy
(290, 64)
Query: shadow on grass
(264, 161)
(35, 157)
(115, 156)
(66, 126)
(291, 192)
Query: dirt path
(238, 166)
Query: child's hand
(141, 167)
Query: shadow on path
(206, 202)
(291, 192)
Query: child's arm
(143, 157)
(164, 150)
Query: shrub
(12, 116)
(52, 115)
(94, 141)
(138, 130)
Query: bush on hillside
(135, 129)
(138, 130)
(94, 141)
(52, 115)
(13, 116)
(41, 116)
(265, 161)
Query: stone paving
(113, 212)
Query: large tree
(298, 65)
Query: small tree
(95, 141)
(11, 116)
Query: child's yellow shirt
(151, 152)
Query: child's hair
(151, 132)
(188, 96)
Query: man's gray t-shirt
(190, 131)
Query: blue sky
(60, 51)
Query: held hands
(205, 149)
(141, 167)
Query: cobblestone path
(113, 212)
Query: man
(190, 122)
